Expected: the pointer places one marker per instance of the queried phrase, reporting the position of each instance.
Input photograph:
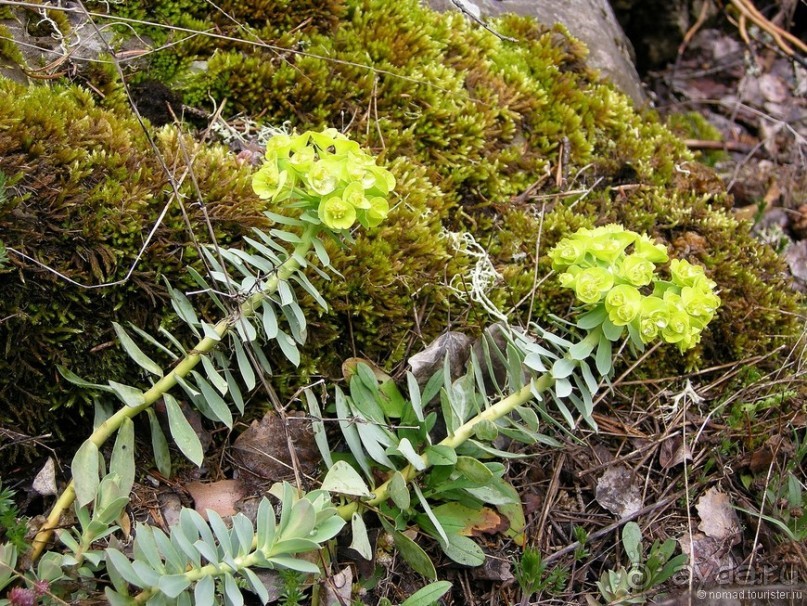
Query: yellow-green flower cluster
(614, 270)
(328, 173)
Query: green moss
(467, 122)
(692, 125)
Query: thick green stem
(463, 433)
(109, 427)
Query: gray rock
(592, 21)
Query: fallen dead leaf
(338, 588)
(674, 452)
(455, 345)
(708, 557)
(618, 491)
(262, 450)
(218, 496)
(718, 519)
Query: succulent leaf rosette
(613, 273)
(327, 173)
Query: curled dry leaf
(619, 492)
(218, 496)
(455, 345)
(262, 450)
(718, 518)
(674, 452)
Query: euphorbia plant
(329, 183)
(444, 486)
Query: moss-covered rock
(510, 142)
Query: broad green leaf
(350, 432)
(183, 308)
(145, 547)
(184, 436)
(285, 236)
(301, 521)
(632, 542)
(414, 395)
(428, 595)
(398, 491)
(244, 365)
(269, 320)
(162, 454)
(233, 389)
(131, 396)
(582, 349)
(440, 454)
(375, 440)
(612, 331)
(474, 470)
(563, 388)
(205, 591)
(197, 277)
(135, 353)
(256, 584)
(212, 374)
(123, 567)
(486, 430)
(232, 593)
(603, 360)
(282, 219)
(513, 511)
(174, 341)
(85, 469)
(418, 559)
(209, 331)
(242, 528)
(408, 451)
(285, 293)
(122, 461)
(173, 584)
(288, 347)
(296, 321)
(308, 287)
(463, 550)
(214, 401)
(343, 479)
(428, 510)
(322, 254)
(293, 563)
(563, 367)
(593, 318)
(360, 541)
(320, 435)
(73, 378)
(266, 525)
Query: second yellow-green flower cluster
(328, 172)
(614, 270)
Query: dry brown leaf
(718, 518)
(338, 588)
(262, 450)
(708, 557)
(674, 452)
(218, 496)
(619, 492)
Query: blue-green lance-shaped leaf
(360, 541)
(122, 461)
(162, 454)
(85, 470)
(135, 353)
(343, 479)
(184, 436)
